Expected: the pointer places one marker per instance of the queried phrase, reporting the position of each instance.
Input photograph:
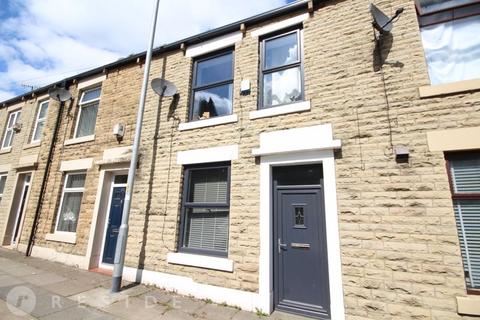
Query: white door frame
(101, 264)
(326, 158)
(20, 214)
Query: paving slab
(99, 298)
(22, 270)
(43, 279)
(7, 281)
(160, 296)
(71, 287)
(176, 314)
(136, 308)
(244, 315)
(6, 313)
(186, 304)
(214, 311)
(79, 313)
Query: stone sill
(196, 260)
(208, 122)
(31, 145)
(469, 305)
(67, 237)
(449, 88)
(6, 150)
(276, 111)
(79, 140)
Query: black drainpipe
(44, 182)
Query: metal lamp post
(123, 232)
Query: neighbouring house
(308, 163)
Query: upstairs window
(13, 119)
(72, 195)
(205, 210)
(281, 69)
(87, 114)
(3, 180)
(464, 172)
(40, 121)
(448, 30)
(212, 88)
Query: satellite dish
(381, 21)
(163, 88)
(59, 94)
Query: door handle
(281, 246)
(300, 245)
(115, 230)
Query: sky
(43, 41)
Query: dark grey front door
(300, 255)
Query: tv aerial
(59, 94)
(381, 21)
(163, 88)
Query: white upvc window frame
(39, 120)
(69, 190)
(15, 114)
(82, 104)
(3, 175)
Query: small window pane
(281, 51)
(91, 95)
(429, 6)
(213, 102)
(42, 113)
(282, 87)
(467, 215)
(87, 121)
(11, 120)
(298, 175)
(7, 141)
(214, 70)
(466, 175)
(68, 219)
(38, 131)
(207, 229)
(3, 179)
(209, 186)
(121, 179)
(76, 181)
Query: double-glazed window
(72, 195)
(40, 121)
(464, 172)
(3, 180)
(281, 69)
(205, 210)
(13, 119)
(212, 87)
(87, 114)
(449, 32)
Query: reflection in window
(212, 87)
(71, 200)
(282, 70)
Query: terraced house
(309, 163)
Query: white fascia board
(280, 25)
(318, 137)
(195, 260)
(73, 165)
(91, 82)
(214, 44)
(216, 154)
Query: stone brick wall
(400, 252)
(118, 104)
(21, 147)
(399, 246)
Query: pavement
(32, 288)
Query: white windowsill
(31, 145)
(79, 140)
(208, 122)
(67, 237)
(195, 260)
(276, 111)
(449, 88)
(6, 150)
